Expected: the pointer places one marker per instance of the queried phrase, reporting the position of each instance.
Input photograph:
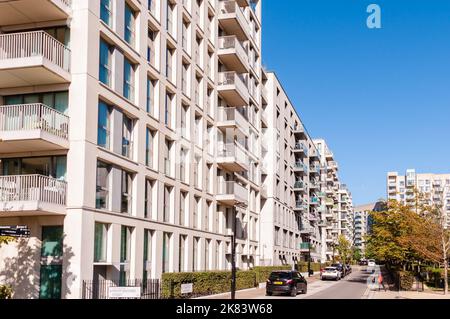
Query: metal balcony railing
(34, 44)
(25, 117)
(33, 188)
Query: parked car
(287, 282)
(330, 273)
(340, 268)
(363, 262)
(371, 263)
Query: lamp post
(309, 257)
(233, 257)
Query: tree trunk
(444, 250)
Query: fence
(99, 289)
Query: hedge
(263, 272)
(206, 283)
(405, 279)
(5, 292)
(303, 266)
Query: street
(352, 286)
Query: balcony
(329, 202)
(233, 54)
(31, 128)
(314, 201)
(299, 185)
(329, 155)
(301, 148)
(232, 158)
(304, 247)
(300, 205)
(233, 88)
(314, 169)
(314, 185)
(231, 194)
(32, 195)
(231, 118)
(300, 167)
(13, 12)
(232, 20)
(32, 58)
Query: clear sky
(380, 98)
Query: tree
(356, 254)
(344, 249)
(5, 240)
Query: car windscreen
(330, 269)
(280, 275)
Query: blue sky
(381, 98)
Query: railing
(33, 188)
(32, 44)
(24, 117)
(233, 78)
(232, 42)
(298, 184)
(314, 199)
(233, 188)
(232, 114)
(300, 165)
(232, 150)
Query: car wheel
(305, 290)
(268, 293)
(294, 292)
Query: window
(148, 243)
(102, 188)
(50, 282)
(151, 84)
(207, 250)
(52, 245)
(149, 144)
(196, 211)
(104, 125)
(126, 190)
(167, 206)
(105, 63)
(166, 252)
(105, 11)
(100, 242)
(128, 80)
(149, 189)
(183, 166)
(183, 208)
(182, 253)
(195, 254)
(168, 109)
(127, 132)
(184, 117)
(125, 244)
(129, 24)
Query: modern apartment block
(137, 136)
(289, 216)
(337, 207)
(435, 188)
(362, 223)
(130, 135)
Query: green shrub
(303, 266)
(5, 292)
(263, 272)
(205, 283)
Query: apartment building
(434, 187)
(288, 216)
(130, 139)
(362, 223)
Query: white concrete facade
(137, 135)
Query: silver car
(330, 273)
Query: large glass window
(127, 133)
(149, 189)
(125, 244)
(127, 185)
(55, 100)
(52, 166)
(150, 94)
(105, 11)
(148, 243)
(105, 63)
(129, 24)
(149, 148)
(128, 80)
(104, 125)
(50, 282)
(182, 253)
(102, 188)
(52, 241)
(166, 252)
(100, 242)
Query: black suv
(286, 281)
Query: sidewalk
(253, 293)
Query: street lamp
(309, 257)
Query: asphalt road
(351, 287)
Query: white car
(330, 273)
(371, 263)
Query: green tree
(344, 249)
(356, 254)
(5, 240)
(5, 291)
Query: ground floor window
(50, 282)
